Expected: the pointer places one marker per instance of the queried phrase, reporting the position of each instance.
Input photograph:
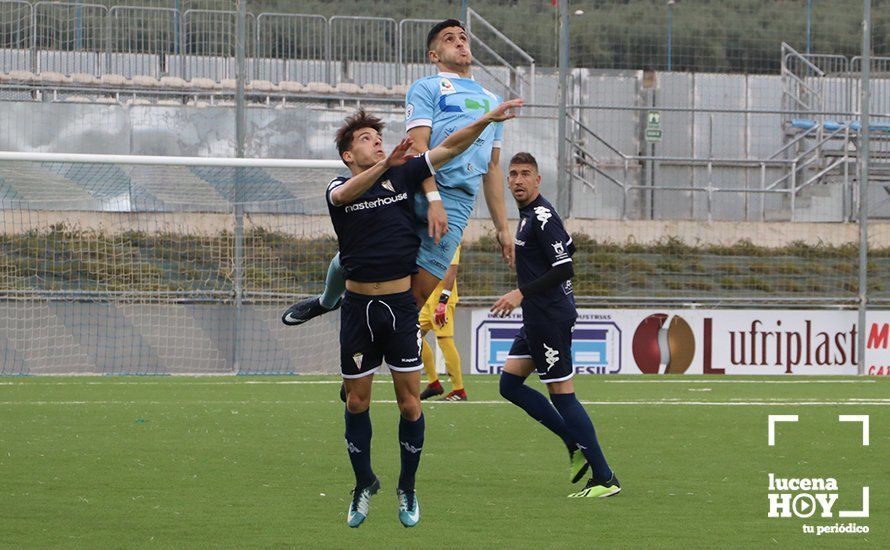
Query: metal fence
(82, 38)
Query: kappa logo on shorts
(551, 356)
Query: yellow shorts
(429, 312)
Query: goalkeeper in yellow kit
(438, 315)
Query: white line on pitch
(234, 381)
(736, 381)
(874, 402)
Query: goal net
(162, 265)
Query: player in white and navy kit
(373, 215)
(544, 272)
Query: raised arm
(356, 186)
(460, 141)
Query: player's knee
(509, 384)
(409, 407)
(358, 401)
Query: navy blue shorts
(374, 328)
(549, 346)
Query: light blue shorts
(436, 258)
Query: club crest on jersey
(388, 186)
(446, 87)
(543, 214)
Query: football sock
(452, 362)
(429, 361)
(334, 284)
(358, 444)
(581, 429)
(513, 389)
(410, 446)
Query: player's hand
(505, 240)
(437, 221)
(401, 153)
(439, 317)
(507, 303)
(505, 111)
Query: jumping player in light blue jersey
(436, 106)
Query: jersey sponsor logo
(409, 110)
(382, 201)
(551, 356)
(543, 214)
(446, 108)
(446, 87)
(388, 186)
(474, 105)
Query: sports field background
(241, 462)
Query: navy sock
(581, 429)
(411, 444)
(358, 444)
(513, 389)
(334, 284)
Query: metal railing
(71, 38)
(294, 47)
(807, 167)
(518, 84)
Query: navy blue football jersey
(542, 243)
(376, 232)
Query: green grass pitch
(244, 462)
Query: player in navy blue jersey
(544, 272)
(373, 216)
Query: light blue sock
(334, 284)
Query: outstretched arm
(460, 141)
(356, 186)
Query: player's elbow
(337, 198)
(569, 270)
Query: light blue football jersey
(446, 103)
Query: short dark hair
(524, 158)
(352, 124)
(434, 32)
